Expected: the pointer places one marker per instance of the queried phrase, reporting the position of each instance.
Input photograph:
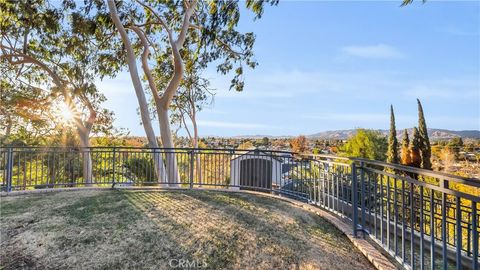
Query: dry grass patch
(146, 229)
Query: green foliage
(265, 142)
(213, 37)
(406, 158)
(392, 153)
(456, 142)
(425, 148)
(140, 169)
(366, 144)
(52, 53)
(415, 146)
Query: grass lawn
(114, 229)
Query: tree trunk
(167, 140)
(142, 101)
(87, 158)
(198, 170)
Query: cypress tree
(392, 153)
(415, 153)
(425, 149)
(406, 158)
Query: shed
(256, 169)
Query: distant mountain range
(433, 133)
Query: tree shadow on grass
(148, 229)
(229, 231)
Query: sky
(329, 65)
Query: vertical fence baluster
(432, 230)
(395, 216)
(422, 253)
(412, 224)
(388, 218)
(375, 212)
(444, 184)
(354, 199)
(458, 244)
(382, 236)
(362, 194)
(192, 164)
(113, 165)
(474, 236)
(9, 169)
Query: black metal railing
(424, 219)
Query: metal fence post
(354, 198)
(192, 164)
(362, 196)
(9, 169)
(113, 169)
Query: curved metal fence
(424, 219)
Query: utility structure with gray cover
(255, 169)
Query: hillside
(434, 134)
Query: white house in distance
(256, 169)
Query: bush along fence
(424, 219)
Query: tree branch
(159, 18)
(221, 42)
(146, 68)
(186, 24)
(29, 59)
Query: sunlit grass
(141, 229)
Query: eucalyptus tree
(58, 50)
(193, 95)
(171, 29)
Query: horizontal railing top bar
(149, 148)
(313, 156)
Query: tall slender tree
(415, 153)
(392, 152)
(406, 158)
(425, 148)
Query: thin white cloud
(452, 88)
(120, 85)
(366, 117)
(221, 124)
(361, 118)
(288, 84)
(457, 31)
(379, 51)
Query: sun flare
(65, 112)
